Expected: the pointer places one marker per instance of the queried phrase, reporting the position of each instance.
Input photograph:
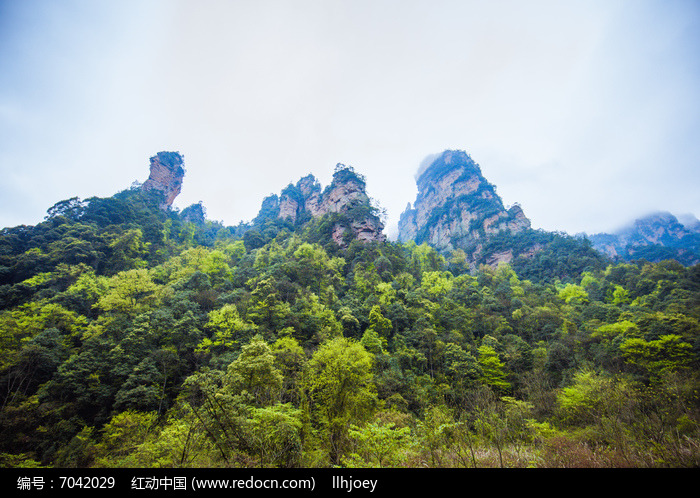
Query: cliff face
(166, 175)
(457, 208)
(655, 237)
(345, 203)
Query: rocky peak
(309, 185)
(456, 207)
(653, 237)
(659, 228)
(195, 213)
(166, 174)
(345, 199)
(347, 189)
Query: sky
(585, 112)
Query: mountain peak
(456, 207)
(654, 237)
(166, 174)
(345, 200)
(441, 164)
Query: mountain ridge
(134, 334)
(456, 209)
(656, 236)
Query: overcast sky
(586, 112)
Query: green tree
(127, 250)
(228, 330)
(275, 435)
(492, 368)
(222, 414)
(667, 353)
(181, 442)
(587, 399)
(266, 308)
(122, 436)
(339, 392)
(377, 322)
(435, 432)
(437, 283)
(372, 342)
(129, 293)
(254, 372)
(573, 294)
(290, 359)
(379, 445)
(462, 370)
(317, 269)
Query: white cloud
(573, 109)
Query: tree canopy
(132, 336)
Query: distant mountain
(655, 237)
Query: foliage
(132, 336)
(338, 389)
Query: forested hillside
(133, 336)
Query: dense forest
(137, 337)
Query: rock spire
(166, 175)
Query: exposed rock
(497, 258)
(167, 172)
(300, 198)
(289, 208)
(310, 190)
(456, 207)
(345, 199)
(195, 213)
(342, 195)
(368, 229)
